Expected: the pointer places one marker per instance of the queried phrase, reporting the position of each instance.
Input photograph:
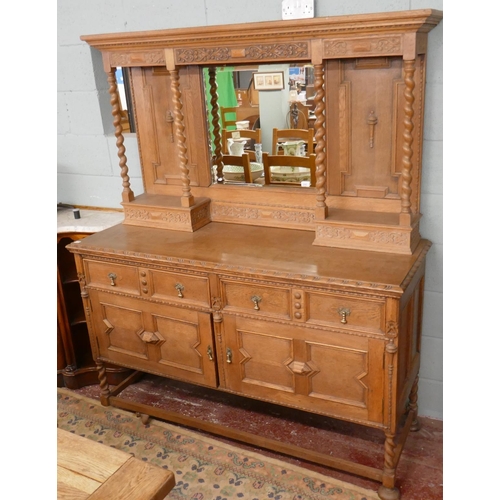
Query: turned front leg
(103, 383)
(388, 490)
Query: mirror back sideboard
(309, 298)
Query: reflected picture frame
(269, 81)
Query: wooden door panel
(184, 345)
(336, 374)
(367, 95)
(264, 360)
(154, 338)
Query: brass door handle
(256, 299)
(112, 277)
(344, 312)
(210, 354)
(179, 289)
(229, 356)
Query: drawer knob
(344, 312)
(112, 277)
(256, 299)
(179, 289)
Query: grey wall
(88, 173)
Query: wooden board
(93, 471)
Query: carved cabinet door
(337, 374)
(155, 338)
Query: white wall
(88, 173)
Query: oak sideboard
(309, 297)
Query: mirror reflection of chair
(239, 161)
(253, 136)
(290, 173)
(228, 121)
(293, 134)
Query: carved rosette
(392, 333)
(216, 307)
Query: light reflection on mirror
(289, 107)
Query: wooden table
(87, 470)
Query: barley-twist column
(187, 199)
(127, 193)
(103, 383)
(413, 405)
(409, 72)
(387, 490)
(214, 102)
(319, 126)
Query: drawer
(343, 311)
(256, 298)
(112, 276)
(170, 286)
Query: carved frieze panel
(259, 52)
(284, 215)
(378, 239)
(182, 219)
(144, 58)
(356, 47)
(382, 237)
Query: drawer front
(176, 286)
(256, 298)
(345, 312)
(112, 276)
(155, 338)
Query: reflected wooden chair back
(228, 121)
(293, 134)
(239, 161)
(253, 136)
(270, 161)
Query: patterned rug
(205, 469)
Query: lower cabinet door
(327, 372)
(155, 338)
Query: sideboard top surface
(256, 251)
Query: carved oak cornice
(255, 39)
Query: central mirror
(261, 124)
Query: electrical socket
(297, 9)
